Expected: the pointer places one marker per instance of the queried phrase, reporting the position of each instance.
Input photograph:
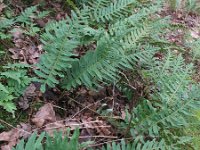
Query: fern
(124, 41)
(25, 18)
(57, 142)
(52, 143)
(26, 15)
(104, 11)
(33, 143)
(172, 100)
(5, 23)
(109, 57)
(59, 48)
(14, 80)
(148, 145)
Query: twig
(129, 83)
(84, 106)
(99, 144)
(87, 107)
(75, 124)
(92, 127)
(98, 136)
(4, 122)
(113, 98)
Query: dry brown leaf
(2, 6)
(28, 95)
(25, 48)
(56, 126)
(11, 137)
(6, 147)
(62, 126)
(17, 33)
(46, 114)
(195, 33)
(27, 128)
(102, 130)
(15, 53)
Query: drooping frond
(104, 64)
(60, 39)
(172, 99)
(59, 52)
(26, 15)
(94, 66)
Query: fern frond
(172, 99)
(110, 11)
(103, 64)
(94, 66)
(58, 141)
(33, 143)
(59, 49)
(26, 15)
(147, 145)
(5, 23)
(6, 102)
(15, 82)
(60, 39)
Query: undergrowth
(127, 36)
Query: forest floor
(96, 114)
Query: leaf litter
(82, 108)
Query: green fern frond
(26, 15)
(103, 64)
(5, 23)
(60, 39)
(117, 9)
(6, 102)
(15, 82)
(58, 141)
(172, 99)
(33, 143)
(59, 48)
(148, 145)
(94, 66)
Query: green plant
(52, 143)
(113, 48)
(186, 5)
(14, 80)
(175, 4)
(148, 145)
(25, 19)
(126, 37)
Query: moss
(20, 116)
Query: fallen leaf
(56, 126)
(45, 114)
(28, 95)
(11, 137)
(17, 33)
(195, 34)
(27, 128)
(2, 6)
(6, 147)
